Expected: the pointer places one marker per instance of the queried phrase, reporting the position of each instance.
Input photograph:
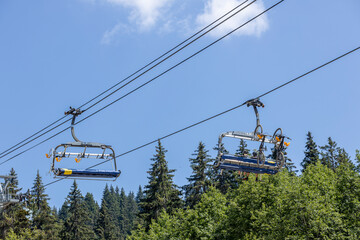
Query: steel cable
(224, 112)
(2, 154)
(144, 84)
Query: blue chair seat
(94, 173)
(230, 162)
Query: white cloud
(111, 34)
(145, 13)
(168, 16)
(216, 8)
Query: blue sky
(56, 54)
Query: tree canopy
(320, 202)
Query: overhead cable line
(22, 145)
(169, 51)
(224, 112)
(7, 150)
(179, 63)
(178, 50)
(155, 60)
(144, 84)
(28, 149)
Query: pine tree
(132, 211)
(63, 212)
(343, 158)
(13, 216)
(14, 183)
(311, 152)
(161, 194)
(289, 165)
(222, 180)
(107, 224)
(139, 198)
(43, 219)
(123, 219)
(329, 154)
(75, 227)
(55, 212)
(120, 211)
(242, 149)
(115, 210)
(198, 181)
(38, 196)
(93, 210)
(139, 195)
(357, 159)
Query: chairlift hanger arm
(75, 112)
(255, 103)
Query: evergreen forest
(319, 201)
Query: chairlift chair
(258, 164)
(60, 152)
(6, 197)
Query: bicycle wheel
(260, 158)
(277, 133)
(280, 160)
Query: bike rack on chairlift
(88, 174)
(257, 163)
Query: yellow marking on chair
(271, 162)
(67, 171)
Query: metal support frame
(75, 113)
(57, 155)
(7, 198)
(255, 103)
(227, 161)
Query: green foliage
(63, 212)
(92, 208)
(319, 204)
(201, 222)
(75, 227)
(343, 158)
(227, 179)
(26, 234)
(198, 181)
(14, 216)
(348, 199)
(131, 213)
(14, 183)
(242, 149)
(333, 156)
(285, 206)
(161, 193)
(311, 152)
(322, 203)
(328, 154)
(357, 159)
(289, 165)
(117, 215)
(139, 195)
(123, 218)
(42, 216)
(107, 222)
